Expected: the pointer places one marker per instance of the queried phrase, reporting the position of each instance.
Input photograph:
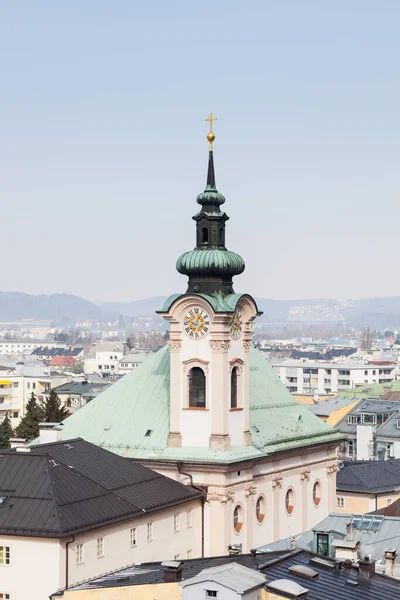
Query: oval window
(316, 493)
(260, 509)
(238, 518)
(289, 501)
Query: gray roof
(56, 351)
(325, 407)
(329, 584)
(232, 575)
(71, 487)
(153, 572)
(134, 357)
(372, 542)
(373, 406)
(82, 388)
(369, 476)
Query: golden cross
(211, 136)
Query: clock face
(196, 323)
(236, 325)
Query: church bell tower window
(234, 388)
(197, 388)
(204, 235)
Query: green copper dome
(210, 197)
(210, 266)
(210, 261)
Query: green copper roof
(220, 302)
(210, 260)
(119, 418)
(210, 197)
(371, 390)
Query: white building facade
(307, 377)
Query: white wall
(34, 570)
(244, 483)
(166, 544)
(37, 566)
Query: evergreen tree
(54, 412)
(129, 343)
(29, 426)
(5, 432)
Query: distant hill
(15, 306)
(137, 308)
(378, 313)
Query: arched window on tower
(234, 388)
(204, 235)
(197, 388)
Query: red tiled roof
(62, 361)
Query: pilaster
(219, 438)
(174, 436)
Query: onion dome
(210, 266)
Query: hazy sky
(103, 150)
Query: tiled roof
(65, 488)
(119, 418)
(393, 510)
(372, 476)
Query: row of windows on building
(133, 537)
(197, 388)
(340, 501)
(261, 506)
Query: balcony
(5, 391)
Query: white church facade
(208, 409)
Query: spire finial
(211, 136)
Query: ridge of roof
(49, 481)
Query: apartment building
(372, 431)
(307, 377)
(25, 345)
(104, 360)
(131, 361)
(17, 385)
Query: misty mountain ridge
(377, 312)
(16, 306)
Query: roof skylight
(366, 522)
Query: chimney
(390, 561)
(367, 568)
(17, 442)
(49, 432)
(349, 532)
(172, 571)
(338, 565)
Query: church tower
(210, 335)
